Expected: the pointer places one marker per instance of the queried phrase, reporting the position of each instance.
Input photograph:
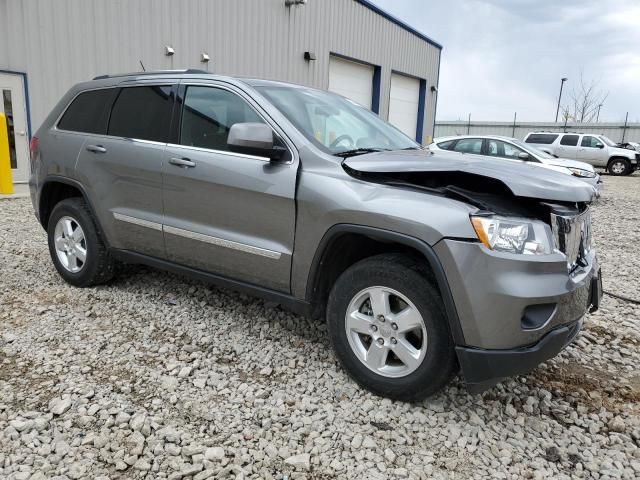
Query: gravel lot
(156, 376)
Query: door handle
(182, 162)
(96, 149)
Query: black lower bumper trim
(484, 368)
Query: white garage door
(403, 103)
(352, 80)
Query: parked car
(421, 267)
(597, 150)
(517, 151)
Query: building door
(14, 108)
(352, 80)
(404, 104)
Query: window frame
(173, 83)
(176, 121)
(557, 135)
(482, 145)
(565, 135)
(515, 147)
(598, 141)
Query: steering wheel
(337, 141)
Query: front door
(14, 108)
(227, 213)
(592, 151)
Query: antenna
(142, 65)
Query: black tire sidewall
(76, 209)
(389, 271)
(627, 167)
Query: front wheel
(388, 328)
(619, 166)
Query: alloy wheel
(386, 331)
(70, 244)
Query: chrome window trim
(221, 152)
(221, 242)
(137, 221)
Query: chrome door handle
(96, 149)
(182, 162)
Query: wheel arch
(55, 189)
(368, 241)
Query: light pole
(564, 79)
(598, 114)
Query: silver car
(518, 151)
(421, 267)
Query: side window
(541, 138)
(569, 140)
(498, 148)
(588, 141)
(142, 112)
(445, 145)
(208, 115)
(469, 145)
(89, 112)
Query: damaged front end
(523, 285)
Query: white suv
(597, 150)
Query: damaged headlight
(513, 235)
(578, 172)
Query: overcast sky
(502, 56)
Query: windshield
(537, 152)
(607, 141)
(333, 123)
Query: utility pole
(624, 129)
(513, 130)
(562, 80)
(469, 125)
(598, 114)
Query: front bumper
(514, 312)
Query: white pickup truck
(597, 150)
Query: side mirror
(524, 156)
(254, 139)
(599, 145)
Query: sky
(506, 56)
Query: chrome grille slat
(572, 235)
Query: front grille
(572, 235)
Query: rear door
(568, 146)
(592, 151)
(227, 213)
(123, 169)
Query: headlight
(513, 235)
(578, 172)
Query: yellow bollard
(6, 185)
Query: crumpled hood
(527, 180)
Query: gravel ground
(156, 376)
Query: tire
(396, 379)
(97, 266)
(619, 167)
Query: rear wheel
(388, 328)
(76, 248)
(619, 166)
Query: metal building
(348, 46)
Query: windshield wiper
(359, 151)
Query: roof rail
(151, 72)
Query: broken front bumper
(515, 312)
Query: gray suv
(423, 267)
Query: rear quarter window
(445, 145)
(89, 112)
(541, 138)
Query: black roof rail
(152, 72)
